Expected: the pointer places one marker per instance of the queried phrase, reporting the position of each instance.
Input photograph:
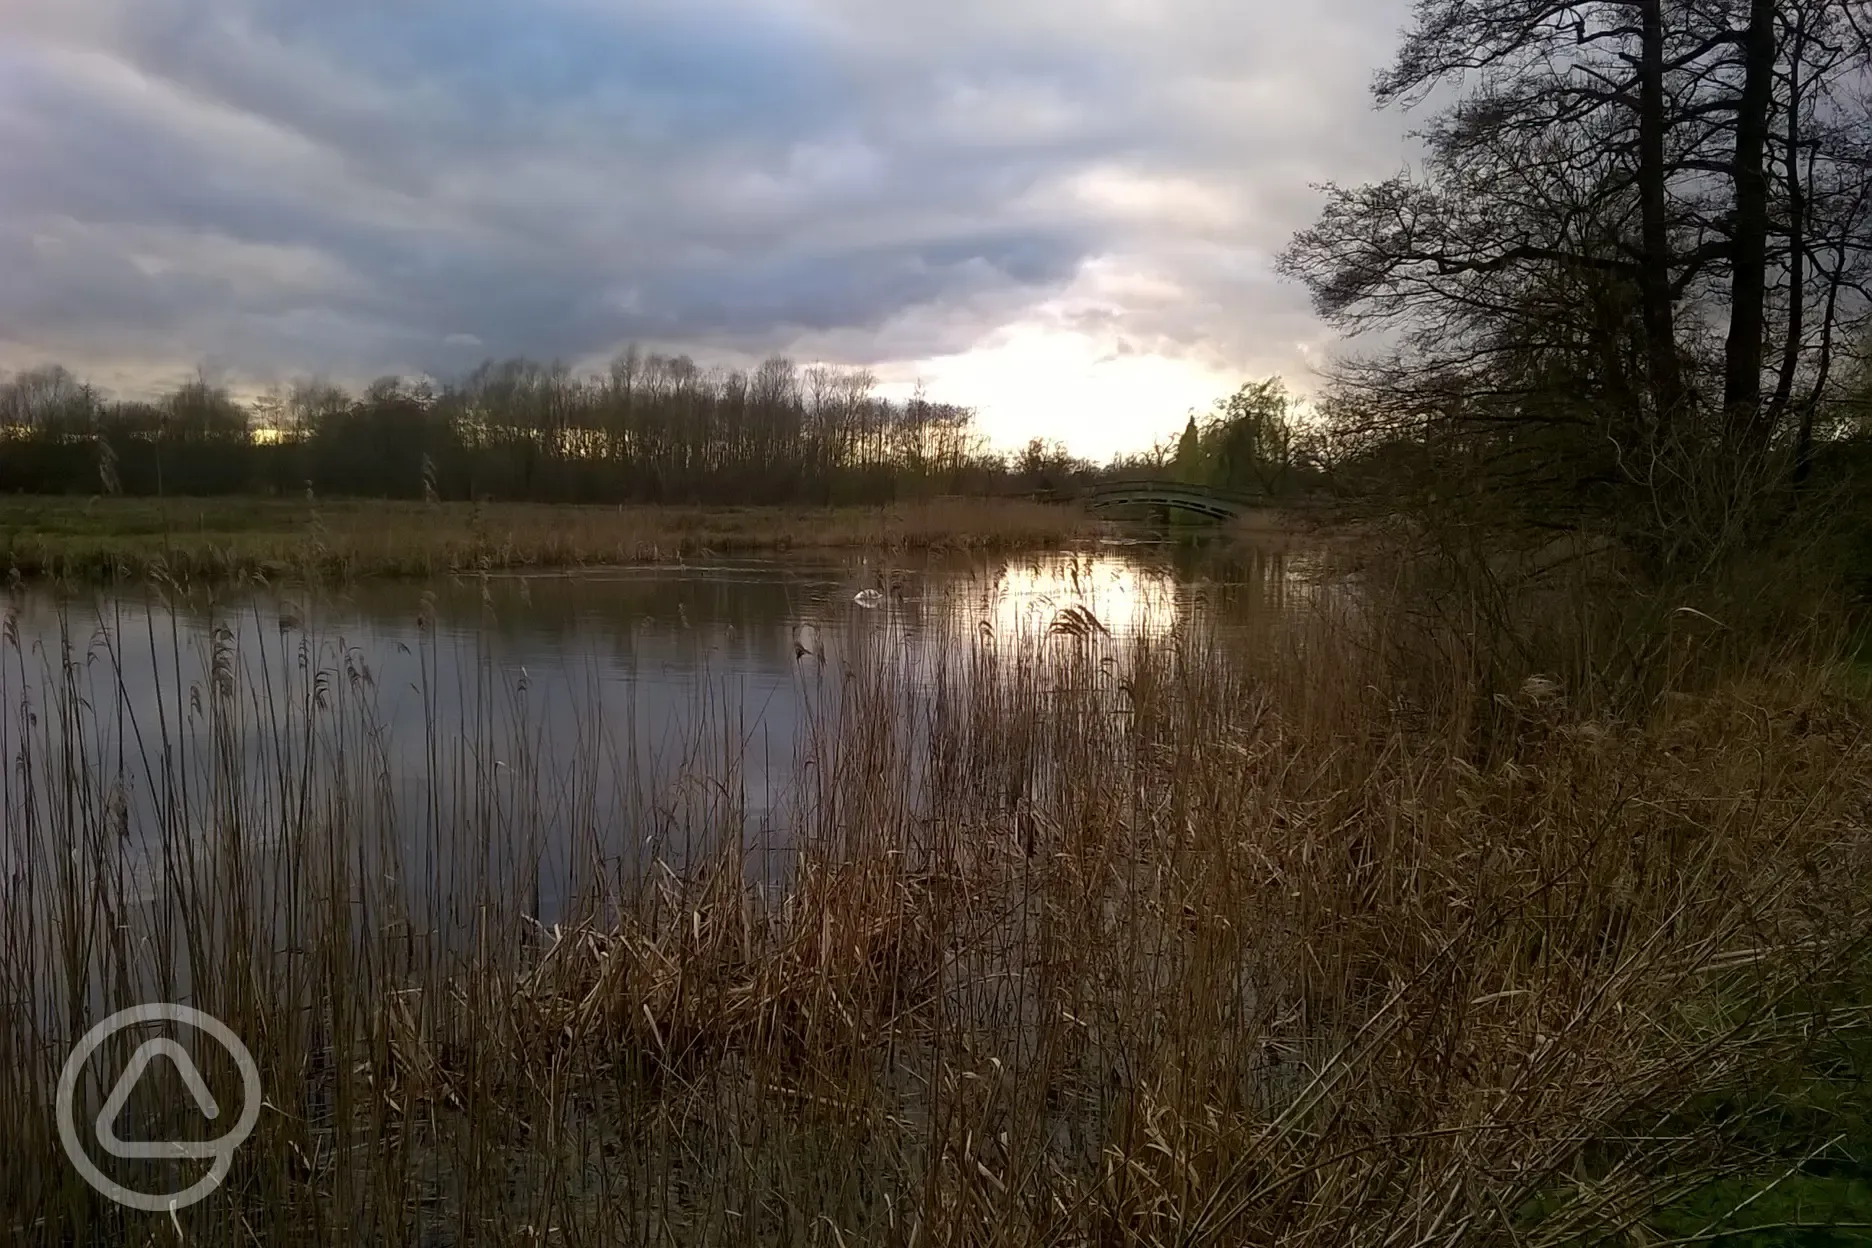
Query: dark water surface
(513, 735)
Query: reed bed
(1187, 939)
(231, 539)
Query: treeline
(1627, 288)
(654, 428)
(1253, 442)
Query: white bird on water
(875, 594)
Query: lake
(511, 744)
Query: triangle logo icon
(191, 1076)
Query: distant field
(222, 537)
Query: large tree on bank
(1640, 235)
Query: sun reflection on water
(1026, 599)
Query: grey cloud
(357, 187)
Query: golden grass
(1083, 941)
(215, 539)
(1301, 525)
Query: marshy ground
(1339, 928)
(226, 538)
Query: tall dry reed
(1185, 939)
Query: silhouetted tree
(1626, 206)
(1189, 456)
(653, 428)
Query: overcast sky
(1061, 211)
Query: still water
(517, 735)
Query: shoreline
(99, 539)
(218, 539)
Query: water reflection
(572, 702)
(469, 755)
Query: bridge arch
(1201, 500)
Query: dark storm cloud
(356, 187)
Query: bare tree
(1624, 207)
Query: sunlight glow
(1031, 382)
(1025, 597)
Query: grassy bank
(1187, 940)
(209, 539)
